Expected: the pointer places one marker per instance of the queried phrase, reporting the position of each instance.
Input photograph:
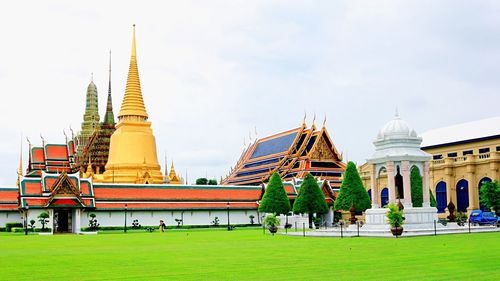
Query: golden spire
(172, 176)
(20, 169)
(90, 172)
(133, 104)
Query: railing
(484, 155)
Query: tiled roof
(483, 128)
(176, 193)
(175, 205)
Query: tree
(310, 199)
(490, 195)
(352, 191)
(432, 199)
(417, 197)
(43, 218)
(201, 181)
(275, 199)
(212, 182)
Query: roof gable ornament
(64, 188)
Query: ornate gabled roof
(133, 103)
(291, 153)
(56, 190)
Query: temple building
(67, 180)
(292, 154)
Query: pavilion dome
(397, 128)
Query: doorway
(62, 221)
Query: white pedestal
(415, 218)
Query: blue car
(481, 217)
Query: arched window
(384, 196)
(441, 198)
(483, 180)
(462, 195)
(369, 193)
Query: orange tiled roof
(177, 193)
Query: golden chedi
(132, 152)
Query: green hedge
(169, 227)
(10, 225)
(21, 229)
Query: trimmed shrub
(10, 225)
(310, 199)
(417, 196)
(352, 191)
(275, 200)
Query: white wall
(152, 218)
(6, 217)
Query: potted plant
(395, 219)
(272, 223)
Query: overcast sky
(211, 71)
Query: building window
(498, 148)
(452, 154)
(467, 152)
(437, 157)
(484, 150)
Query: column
(405, 172)
(425, 185)
(373, 184)
(473, 192)
(77, 221)
(390, 182)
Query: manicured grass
(247, 254)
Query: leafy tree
(275, 199)
(417, 196)
(212, 182)
(352, 191)
(43, 218)
(201, 181)
(432, 199)
(490, 195)
(310, 199)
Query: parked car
(481, 217)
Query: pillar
(374, 188)
(405, 172)
(390, 182)
(425, 185)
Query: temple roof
(133, 103)
(291, 153)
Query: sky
(214, 72)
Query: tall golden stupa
(132, 152)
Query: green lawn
(247, 254)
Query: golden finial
(314, 119)
(133, 103)
(20, 169)
(304, 120)
(324, 121)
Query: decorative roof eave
(320, 134)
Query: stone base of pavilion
(415, 218)
(352, 231)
